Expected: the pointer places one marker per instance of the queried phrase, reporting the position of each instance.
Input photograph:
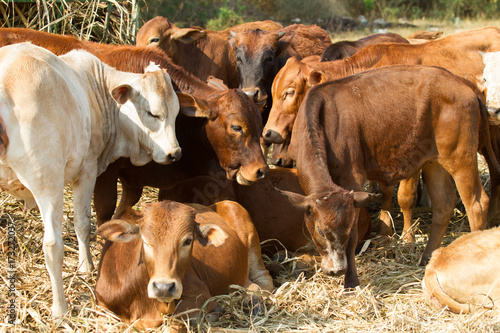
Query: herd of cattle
(183, 111)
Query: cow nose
(271, 136)
(261, 173)
(162, 289)
(335, 272)
(493, 111)
(175, 156)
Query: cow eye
(152, 115)
(237, 128)
(288, 93)
(154, 40)
(321, 232)
(187, 242)
(238, 59)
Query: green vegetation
(220, 14)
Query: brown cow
(465, 275)
(227, 120)
(385, 125)
(457, 53)
(199, 51)
(278, 223)
(346, 48)
(173, 257)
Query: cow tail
(433, 292)
(486, 134)
(4, 139)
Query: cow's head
(148, 109)
(289, 88)
(256, 52)
(491, 76)
(167, 231)
(159, 32)
(330, 217)
(233, 129)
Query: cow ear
(232, 40)
(296, 199)
(363, 199)
(284, 42)
(119, 231)
(188, 35)
(122, 94)
(315, 77)
(216, 83)
(210, 234)
(193, 107)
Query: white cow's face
(147, 118)
(491, 77)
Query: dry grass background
(389, 298)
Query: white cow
(491, 76)
(64, 119)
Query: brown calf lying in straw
(466, 274)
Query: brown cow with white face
(386, 125)
(173, 257)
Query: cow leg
(407, 199)
(443, 199)
(51, 210)
(82, 200)
(385, 227)
(351, 276)
(130, 196)
(493, 213)
(473, 196)
(258, 275)
(106, 194)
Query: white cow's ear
(119, 231)
(193, 107)
(210, 234)
(122, 94)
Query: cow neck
(311, 152)
(359, 62)
(135, 59)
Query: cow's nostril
(163, 289)
(175, 156)
(261, 173)
(268, 134)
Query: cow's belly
(11, 184)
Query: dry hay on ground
(388, 300)
(107, 21)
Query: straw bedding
(389, 298)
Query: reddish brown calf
(173, 257)
(385, 125)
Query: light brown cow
(465, 275)
(199, 51)
(386, 125)
(173, 257)
(458, 53)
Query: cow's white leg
(51, 209)
(82, 198)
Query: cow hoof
(274, 269)
(254, 306)
(214, 315)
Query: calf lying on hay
(465, 275)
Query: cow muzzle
(271, 136)
(258, 95)
(336, 266)
(173, 156)
(164, 291)
(494, 111)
